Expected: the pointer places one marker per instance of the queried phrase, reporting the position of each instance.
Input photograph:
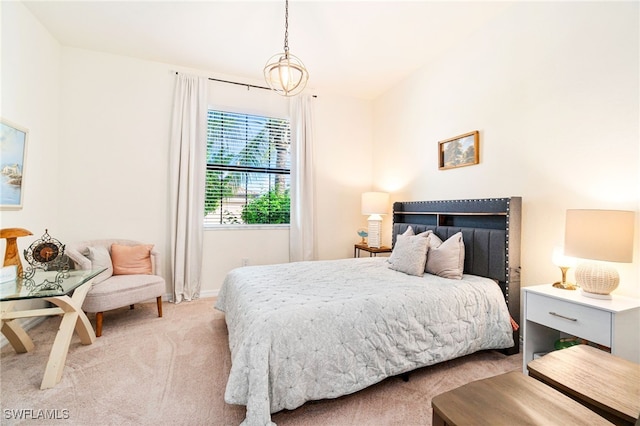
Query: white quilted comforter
(314, 330)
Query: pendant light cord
(286, 27)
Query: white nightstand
(551, 313)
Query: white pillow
(446, 259)
(410, 254)
(100, 258)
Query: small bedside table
(551, 313)
(373, 251)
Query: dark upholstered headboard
(490, 231)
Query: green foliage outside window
(272, 207)
(218, 188)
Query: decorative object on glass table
(11, 254)
(46, 253)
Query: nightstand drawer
(572, 318)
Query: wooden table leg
(436, 420)
(58, 356)
(73, 319)
(16, 335)
(13, 331)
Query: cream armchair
(124, 287)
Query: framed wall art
(460, 151)
(13, 152)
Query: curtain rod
(241, 84)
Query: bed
(306, 331)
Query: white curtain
(302, 234)
(187, 174)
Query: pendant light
(284, 72)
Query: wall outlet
(245, 261)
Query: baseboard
(209, 293)
(203, 295)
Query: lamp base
(597, 279)
(374, 231)
(596, 295)
(565, 285)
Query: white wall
(343, 153)
(114, 150)
(553, 89)
(99, 150)
(30, 98)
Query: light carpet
(146, 370)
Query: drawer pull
(562, 316)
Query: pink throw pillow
(131, 260)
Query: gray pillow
(446, 259)
(410, 254)
(407, 233)
(100, 258)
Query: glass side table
(67, 291)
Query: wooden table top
(365, 247)
(511, 399)
(607, 382)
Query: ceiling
(358, 48)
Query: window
(248, 169)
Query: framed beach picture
(13, 152)
(459, 151)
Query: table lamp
(599, 236)
(375, 204)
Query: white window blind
(248, 169)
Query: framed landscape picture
(459, 151)
(13, 151)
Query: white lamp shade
(375, 203)
(605, 235)
(600, 236)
